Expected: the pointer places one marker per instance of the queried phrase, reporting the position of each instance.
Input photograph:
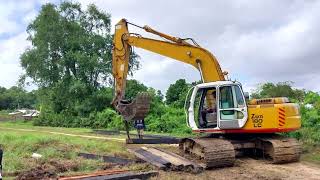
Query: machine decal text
(257, 120)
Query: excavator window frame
(240, 112)
(201, 121)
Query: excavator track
(221, 152)
(211, 152)
(280, 149)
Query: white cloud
(9, 74)
(256, 41)
(10, 51)
(30, 16)
(12, 48)
(11, 12)
(286, 53)
(159, 73)
(14, 17)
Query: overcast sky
(255, 41)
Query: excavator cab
(217, 105)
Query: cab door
(232, 108)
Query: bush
(310, 117)
(170, 120)
(107, 118)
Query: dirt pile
(48, 170)
(40, 172)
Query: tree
(16, 97)
(176, 93)
(281, 89)
(133, 87)
(70, 57)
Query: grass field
(56, 149)
(59, 148)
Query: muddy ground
(247, 168)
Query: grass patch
(28, 125)
(18, 147)
(312, 156)
(61, 151)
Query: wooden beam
(150, 158)
(115, 132)
(94, 174)
(167, 160)
(153, 141)
(110, 159)
(125, 176)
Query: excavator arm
(174, 48)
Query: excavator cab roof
(217, 83)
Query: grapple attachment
(137, 109)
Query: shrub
(107, 118)
(170, 120)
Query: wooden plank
(166, 160)
(153, 141)
(185, 160)
(150, 158)
(125, 176)
(148, 136)
(94, 174)
(153, 157)
(110, 159)
(176, 155)
(176, 161)
(195, 167)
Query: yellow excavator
(217, 107)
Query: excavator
(231, 124)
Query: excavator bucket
(137, 109)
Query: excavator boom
(175, 48)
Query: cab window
(239, 97)
(226, 97)
(231, 97)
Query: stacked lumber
(166, 160)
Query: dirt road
(247, 168)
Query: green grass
(313, 156)
(310, 138)
(18, 147)
(28, 125)
(4, 115)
